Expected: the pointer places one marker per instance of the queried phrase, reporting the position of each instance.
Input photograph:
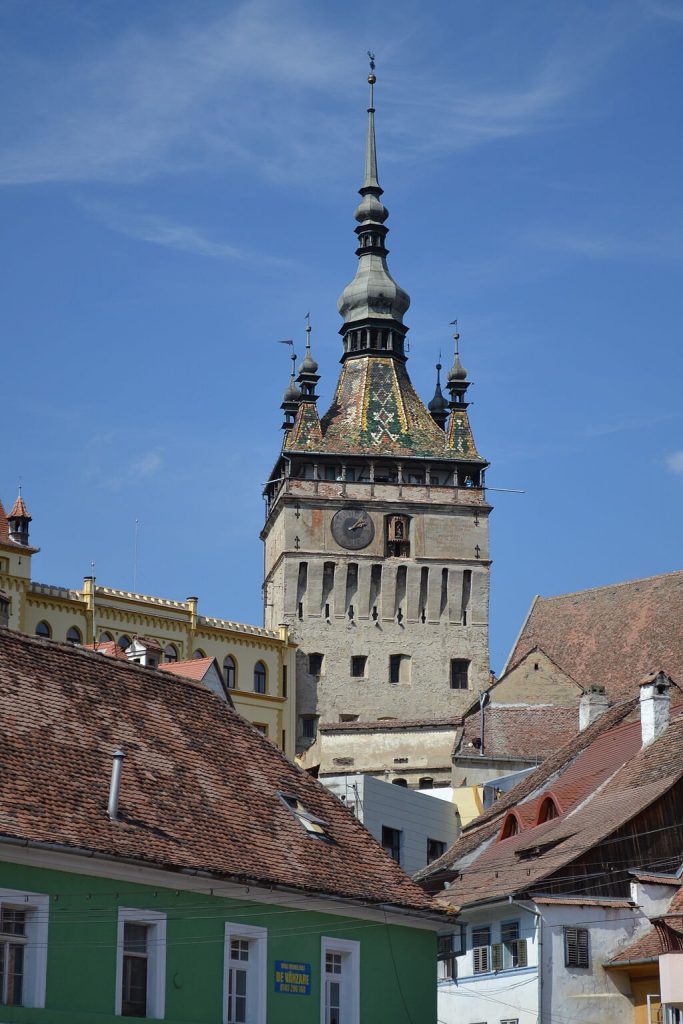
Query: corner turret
(18, 521)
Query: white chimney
(115, 785)
(655, 704)
(593, 703)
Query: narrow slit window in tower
(302, 584)
(351, 587)
(328, 586)
(401, 575)
(443, 603)
(375, 590)
(424, 592)
(466, 595)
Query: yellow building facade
(257, 664)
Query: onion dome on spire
(373, 304)
(308, 376)
(457, 382)
(291, 398)
(438, 407)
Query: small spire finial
(372, 78)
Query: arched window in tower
(74, 635)
(170, 653)
(259, 677)
(230, 672)
(43, 629)
(106, 638)
(398, 536)
(123, 642)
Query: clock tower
(376, 533)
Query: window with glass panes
(238, 977)
(333, 988)
(12, 955)
(135, 969)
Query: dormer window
(510, 827)
(548, 810)
(313, 825)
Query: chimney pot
(115, 785)
(655, 706)
(593, 703)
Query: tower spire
(373, 304)
(438, 407)
(308, 371)
(292, 396)
(457, 382)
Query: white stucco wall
(508, 995)
(416, 815)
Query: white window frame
(256, 978)
(37, 907)
(350, 977)
(156, 959)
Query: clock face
(353, 528)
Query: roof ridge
(89, 651)
(608, 586)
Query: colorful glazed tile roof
(199, 787)
(376, 409)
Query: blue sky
(177, 183)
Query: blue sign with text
(292, 978)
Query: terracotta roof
(4, 525)
(108, 647)
(610, 635)
(581, 901)
(376, 409)
(528, 733)
(600, 786)
(200, 786)
(652, 878)
(147, 642)
(195, 668)
(19, 509)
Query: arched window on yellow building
(230, 672)
(260, 676)
(43, 629)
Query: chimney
(593, 703)
(115, 785)
(655, 706)
(4, 608)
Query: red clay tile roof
(529, 732)
(602, 780)
(610, 635)
(4, 525)
(199, 784)
(19, 509)
(110, 648)
(195, 668)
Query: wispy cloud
(592, 244)
(146, 465)
(261, 85)
(159, 230)
(674, 463)
(668, 10)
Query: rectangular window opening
(460, 670)
(358, 666)
(391, 842)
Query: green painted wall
(398, 964)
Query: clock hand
(357, 526)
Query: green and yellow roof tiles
(376, 409)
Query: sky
(177, 185)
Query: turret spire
(438, 407)
(372, 305)
(292, 396)
(308, 371)
(457, 382)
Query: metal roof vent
(115, 785)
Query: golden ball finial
(372, 79)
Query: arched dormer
(548, 809)
(512, 826)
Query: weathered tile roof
(600, 781)
(19, 509)
(381, 724)
(199, 784)
(610, 635)
(194, 668)
(376, 409)
(665, 937)
(529, 732)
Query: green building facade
(208, 957)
